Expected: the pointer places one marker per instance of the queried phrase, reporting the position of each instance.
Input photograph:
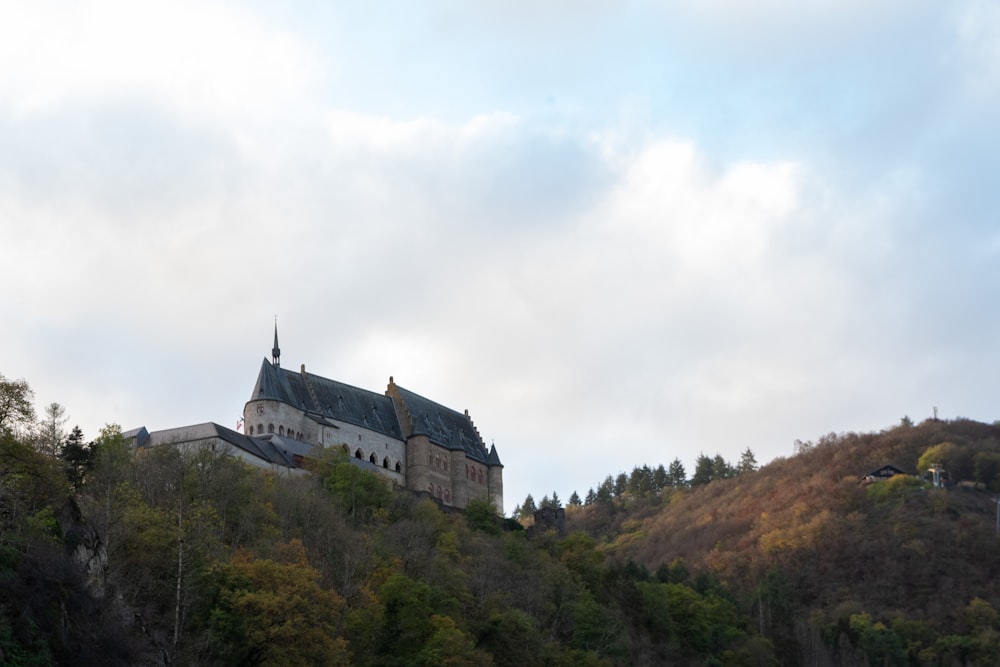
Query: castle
(416, 443)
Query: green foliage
(897, 486)
(360, 493)
(17, 411)
(481, 515)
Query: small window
(399, 468)
(358, 455)
(372, 459)
(281, 430)
(385, 462)
(270, 428)
(447, 496)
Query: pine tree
(574, 499)
(677, 475)
(748, 463)
(591, 497)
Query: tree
(16, 409)
(574, 499)
(621, 484)
(703, 470)
(676, 475)
(275, 612)
(556, 502)
(528, 507)
(77, 456)
(721, 468)
(748, 463)
(590, 498)
(50, 431)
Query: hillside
(187, 556)
(810, 550)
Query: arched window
(372, 459)
(447, 496)
(438, 492)
(260, 429)
(385, 463)
(346, 450)
(399, 467)
(281, 430)
(358, 454)
(270, 428)
(480, 476)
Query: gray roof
(328, 399)
(324, 400)
(261, 448)
(444, 426)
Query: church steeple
(276, 351)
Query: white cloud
(200, 59)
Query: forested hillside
(166, 556)
(829, 569)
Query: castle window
(260, 429)
(372, 459)
(438, 492)
(281, 430)
(358, 454)
(447, 496)
(346, 450)
(385, 462)
(399, 468)
(480, 476)
(270, 428)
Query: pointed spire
(276, 351)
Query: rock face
(84, 546)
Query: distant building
(413, 441)
(883, 473)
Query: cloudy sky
(616, 233)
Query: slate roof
(324, 400)
(328, 399)
(261, 448)
(444, 426)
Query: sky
(617, 233)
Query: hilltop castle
(413, 441)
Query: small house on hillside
(881, 474)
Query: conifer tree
(574, 499)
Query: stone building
(415, 442)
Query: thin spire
(276, 351)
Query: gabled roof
(324, 399)
(260, 448)
(443, 426)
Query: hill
(832, 570)
(186, 555)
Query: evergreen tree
(574, 499)
(555, 502)
(703, 470)
(545, 503)
(78, 457)
(606, 491)
(721, 468)
(591, 497)
(621, 483)
(748, 463)
(528, 507)
(677, 475)
(661, 479)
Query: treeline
(644, 482)
(166, 556)
(833, 570)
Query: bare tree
(50, 431)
